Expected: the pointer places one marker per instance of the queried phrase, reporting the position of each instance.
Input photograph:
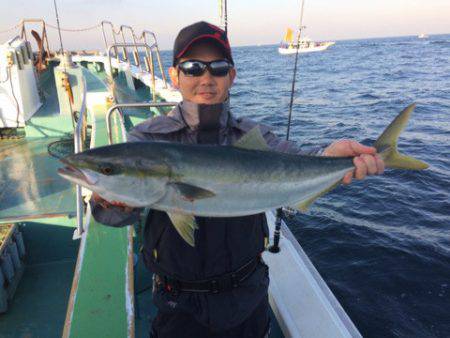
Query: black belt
(217, 284)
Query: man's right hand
(107, 204)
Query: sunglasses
(197, 68)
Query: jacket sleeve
(114, 216)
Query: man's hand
(366, 161)
(107, 204)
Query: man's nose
(206, 77)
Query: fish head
(116, 174)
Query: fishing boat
(56, 275)
(422, 36)
(306, 45)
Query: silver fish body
(239, 181)
(218, 181)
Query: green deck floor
(29, 185)
(39, 305)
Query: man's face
(204, 89)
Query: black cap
(200, 31)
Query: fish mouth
(73, 174)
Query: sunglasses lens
(197, 68)
(219, 68)
(192, 68)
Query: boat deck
(40, 302)
(29, 187)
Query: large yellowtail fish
(219, 181)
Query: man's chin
(208, 99)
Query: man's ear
(173, 74)
(232, 75)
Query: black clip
(234, 281)
(176, 287)
(214, 286)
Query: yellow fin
(253, 140)
(386, 144)
(304, 205)
(185, 226)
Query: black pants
(180, 325)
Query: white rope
(10, 29)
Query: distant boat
(422, 36)
(306, 45)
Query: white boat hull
(319, 48)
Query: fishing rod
(275, 247)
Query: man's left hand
(366, 159)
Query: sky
(251, 22)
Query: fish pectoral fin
(185, 225)
(386, 144)
(304, 205)
(253, 140)
(192, 192)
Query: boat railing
(154, 45)
(148, 61)
(147, 37)
(113, 34)
(137, 62)
(118, 108)
(42, 53)
(79, 141)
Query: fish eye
(106, 170)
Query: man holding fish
(209, 279)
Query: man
(219, 287)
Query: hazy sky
(250, 21)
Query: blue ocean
(383, 244)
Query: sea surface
(383, 244)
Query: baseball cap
(200, 31)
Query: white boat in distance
(422, 36)
(306, 45)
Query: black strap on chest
(217, 284)
(209, 124)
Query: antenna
(59, 28)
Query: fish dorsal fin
(304, 205)
(185, 225)
(252, 140)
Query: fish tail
(386, 144)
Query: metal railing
(136, 42)
(119, 106)
(44, 37)
(137, 62)
(79, 139)
(103, 23)
(136, 45)
(155, 46)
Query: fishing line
(291, 102)
(275, 248)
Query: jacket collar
(191, 113)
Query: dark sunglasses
(198, 68)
